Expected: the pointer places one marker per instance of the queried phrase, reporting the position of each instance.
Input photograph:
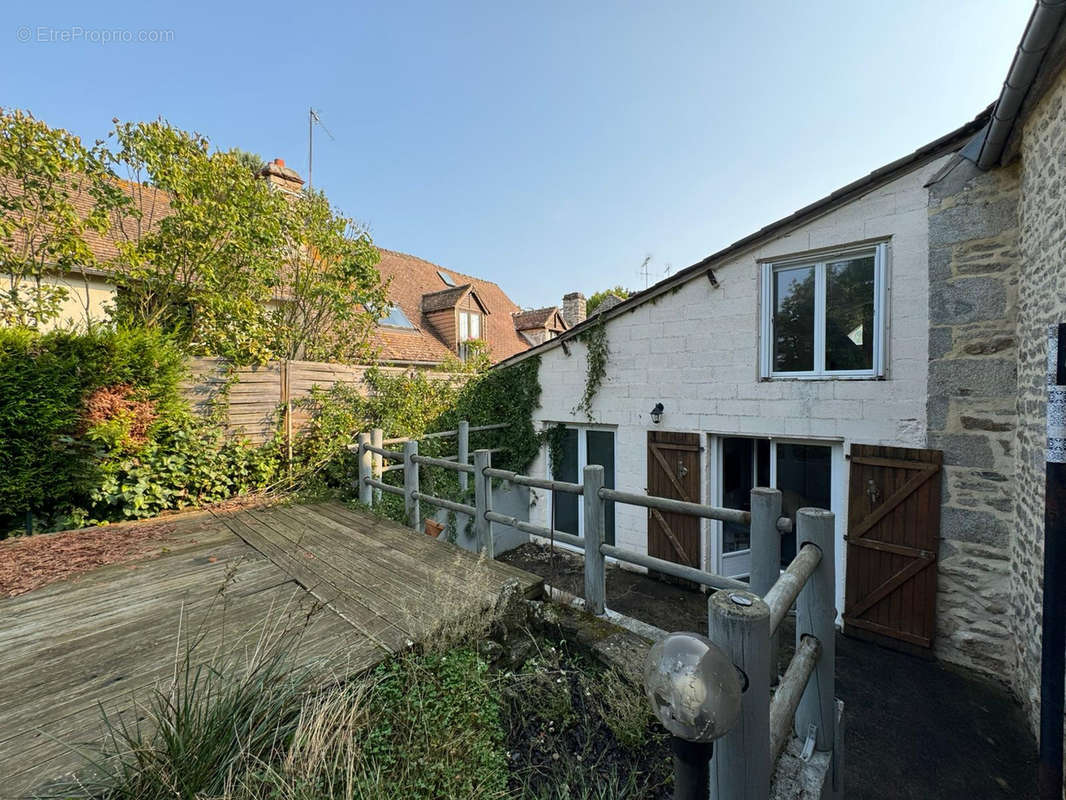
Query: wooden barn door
(674, 471)
(893, 532)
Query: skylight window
(396, 319)
(446, 278)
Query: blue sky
(549, 146)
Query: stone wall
(973, 284)
(1042, 300)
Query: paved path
(347, 586)
(916, 730)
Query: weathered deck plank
(111, 635)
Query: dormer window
(469, 330)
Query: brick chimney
(282, 177)
(573, 308)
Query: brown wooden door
(893, 532)
(674, 471)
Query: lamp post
(694, 691)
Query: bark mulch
(30, 562)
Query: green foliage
(53, 192)
(333, 292)
(46, 466)
(189, 463)
(597, 353)
(435, 728)
(594, 301)
(69, 466)
(205, 270)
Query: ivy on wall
(597, 353)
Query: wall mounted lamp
(657, 413)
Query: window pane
(849, 315)
(804, 473)
(738, 478)
(565, 504)
(464, 326)
(475, 326)
(794, 319)
(600, 450)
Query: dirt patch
(30, 562)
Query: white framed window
(469, 330)
(823, 316)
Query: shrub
(46, 466)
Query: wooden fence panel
(260, 396)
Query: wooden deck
(358, 587)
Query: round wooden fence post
(766, 551)
(739, 623)
(816, 616)
(365, 492)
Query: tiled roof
(444, 299)
(411, 278)
(535, 318)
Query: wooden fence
(743, 618)
(261, 398)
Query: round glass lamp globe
(693, 687)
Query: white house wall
(696, 350)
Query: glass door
(803, 472)
(581, 447)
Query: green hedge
(46, 466)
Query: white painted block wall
(697, 351)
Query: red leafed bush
(110, 405)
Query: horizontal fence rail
(677, 506)
(451, 505)
(784, 593)
(539, 483)
(536, 530)
(671, 568)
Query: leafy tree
(253, 161)
(200, 254)
(332, 294)
(53, 192)
(597, 298)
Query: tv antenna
(312, 120)
(644, 271)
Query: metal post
(816, 616)
(464, 451)
(1053, 634)
(482, 502)
(739, 623)
(365, 495)
(595, 533)
(766, 551)
(691, 768)
(411, 506)
(377, 438)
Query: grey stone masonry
(1041, 301)
(973, 287)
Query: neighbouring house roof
(153, 203)
(607, 303)
(450, 298)
(410, 278)
(948, 143)
(417, 287)
(533, 319)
